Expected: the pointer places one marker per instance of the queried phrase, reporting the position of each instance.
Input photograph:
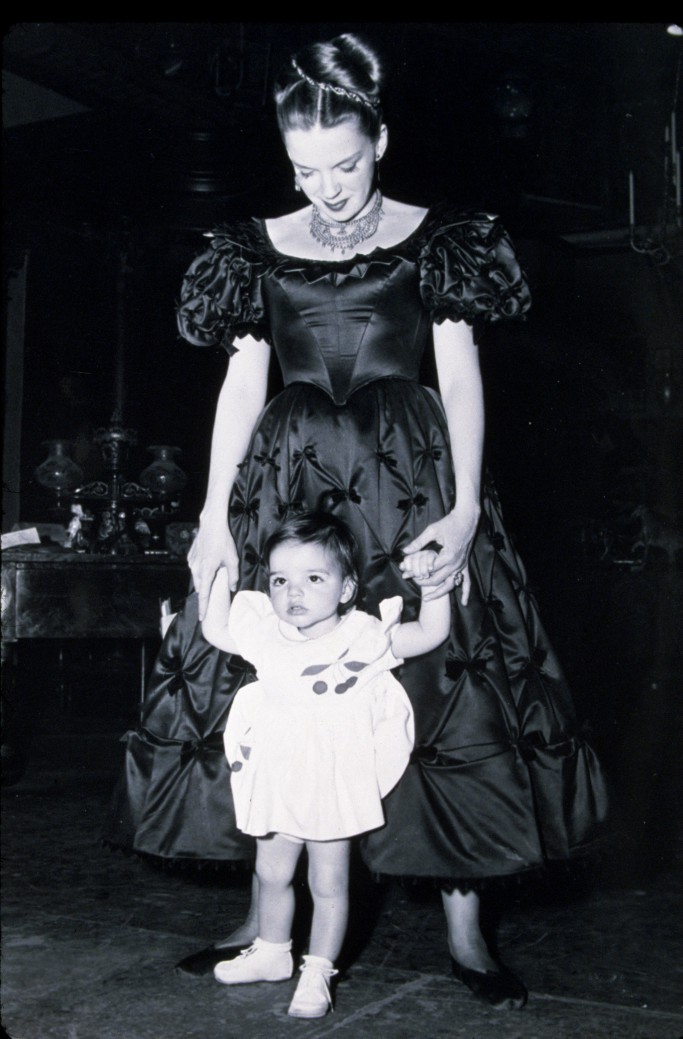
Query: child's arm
(427, 632)
(215, 623)
(434, 622)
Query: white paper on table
(29, 536)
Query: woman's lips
(336, 207)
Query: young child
(318, 740)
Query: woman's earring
(297, 186)
(377, 177)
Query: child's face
(307, 587)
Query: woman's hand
(212, 548)
(455, 534)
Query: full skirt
(501, 780)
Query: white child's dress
(325, 732)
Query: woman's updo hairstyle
(324, 84)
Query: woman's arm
(215, 623)
(240, 403)
(460, 385)
(427, 632)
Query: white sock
(273, 946)
(319, 961)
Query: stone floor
(90, 939)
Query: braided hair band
(351, 95)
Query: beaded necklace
(335, 235)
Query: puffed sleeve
(221, 295)
(469, 270)
(390, 613)
(252, 624)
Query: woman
(349, 291)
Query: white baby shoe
(262, 961)
(312, 997)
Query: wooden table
(55, 593)
(62, 594)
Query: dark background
(125, 141)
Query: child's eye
(277, 582)
(315, 578)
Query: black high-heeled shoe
(199, 964)
(499, 988)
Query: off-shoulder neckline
(356, 258)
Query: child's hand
(419, 564)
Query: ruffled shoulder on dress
(390, 611)
(221, 295)
(372, 636)
(252, 604)
(249, 612)
(469, 268)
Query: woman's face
(335, 166)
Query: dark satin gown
(501, 779)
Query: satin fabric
(502, 779)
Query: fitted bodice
(344, 329)
(342, 323)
